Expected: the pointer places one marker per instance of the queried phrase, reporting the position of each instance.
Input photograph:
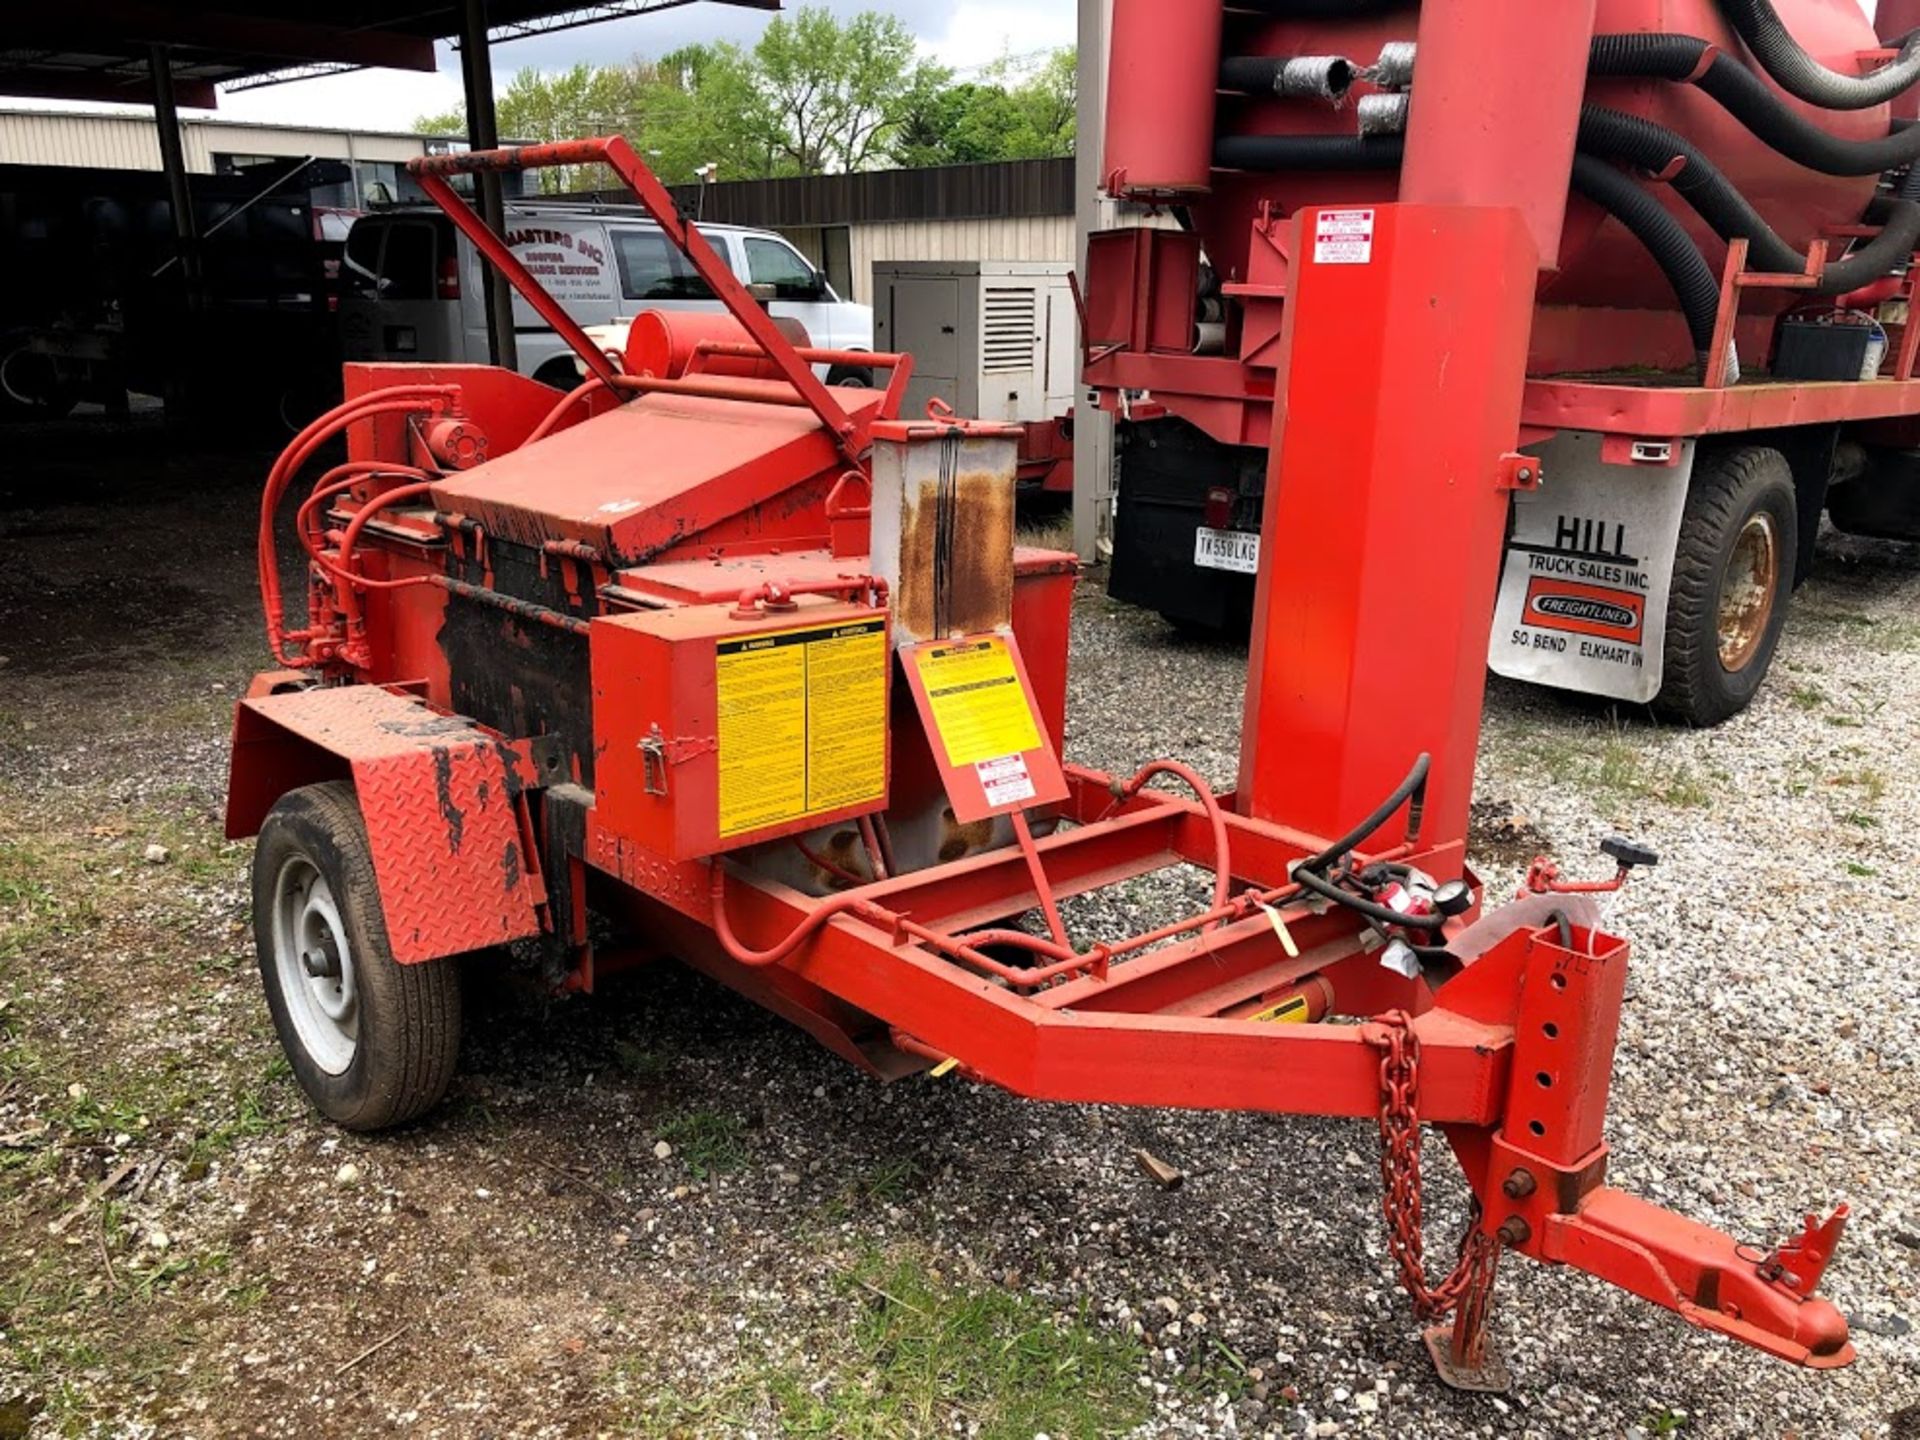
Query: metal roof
(99, 49)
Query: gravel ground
(183, 1251)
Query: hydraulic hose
(1693, 280)
(1751, 101)
(1633, 141)
(1411, 791)
(1800, 75)
(1652, 224)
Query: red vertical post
(1893, 21)
(1407, 329)
(1496, 106)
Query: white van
(412, 288)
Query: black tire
(562, 375)
(851, 376)
(407, 1016)
(1741, 500)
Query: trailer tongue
(750, 670)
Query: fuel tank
(1605, 304)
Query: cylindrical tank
(1602, 271)
(662, 344)
(1162, 67)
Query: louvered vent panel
(1006, 342)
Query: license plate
(1234, 550)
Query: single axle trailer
(716, 661)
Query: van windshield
(651, 269)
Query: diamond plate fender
(439, 794)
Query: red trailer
(731, 665)
(1719, 352)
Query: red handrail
(614, 152)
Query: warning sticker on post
(803, 724)
(979, 706)
(1006, 781)
(1343, 237)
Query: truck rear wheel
(1732, 575)
(372, 1042)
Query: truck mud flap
(1589, 569)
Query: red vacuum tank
(1595, 307)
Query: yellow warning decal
(803, 724)
(1290, 1012)
(979, 706)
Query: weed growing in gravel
(708, 1142)
(1615, 768)
(924, 1357)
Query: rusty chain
(1401, 1186)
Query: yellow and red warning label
(803, 724)
(985, 730)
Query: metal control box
(713, 733)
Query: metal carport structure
(134, 51)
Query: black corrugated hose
(1749, 100)
(1631, 140)
(1693, 280)
(1799, 74)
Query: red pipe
(304, 445)
(812, 354)
(1222, 857)
(574, 397)
(338, 479)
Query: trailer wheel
(1731, 580)
(371, 1041)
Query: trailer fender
(440, 797)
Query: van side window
(362, 268)
(407, 269)
(651, 269)
(769, 262)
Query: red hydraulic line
(339, 479)
(574, 397)
(385, 402)
(877, 855)
(1191, 778)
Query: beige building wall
(128, 142)
(1045, 237)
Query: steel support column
(1092, 426)
(483, 133)
(1407, 331)
(1476, 139)
(173, 161)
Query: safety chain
(1400, 1179)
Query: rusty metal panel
(943, 526)
(441, 804)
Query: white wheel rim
(324, 1007)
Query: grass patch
(1807, 697)
(1616, 768)
(708, 1142)
(926, 1358)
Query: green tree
(816, 95)
(1003, 116)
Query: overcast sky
(962, 33)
